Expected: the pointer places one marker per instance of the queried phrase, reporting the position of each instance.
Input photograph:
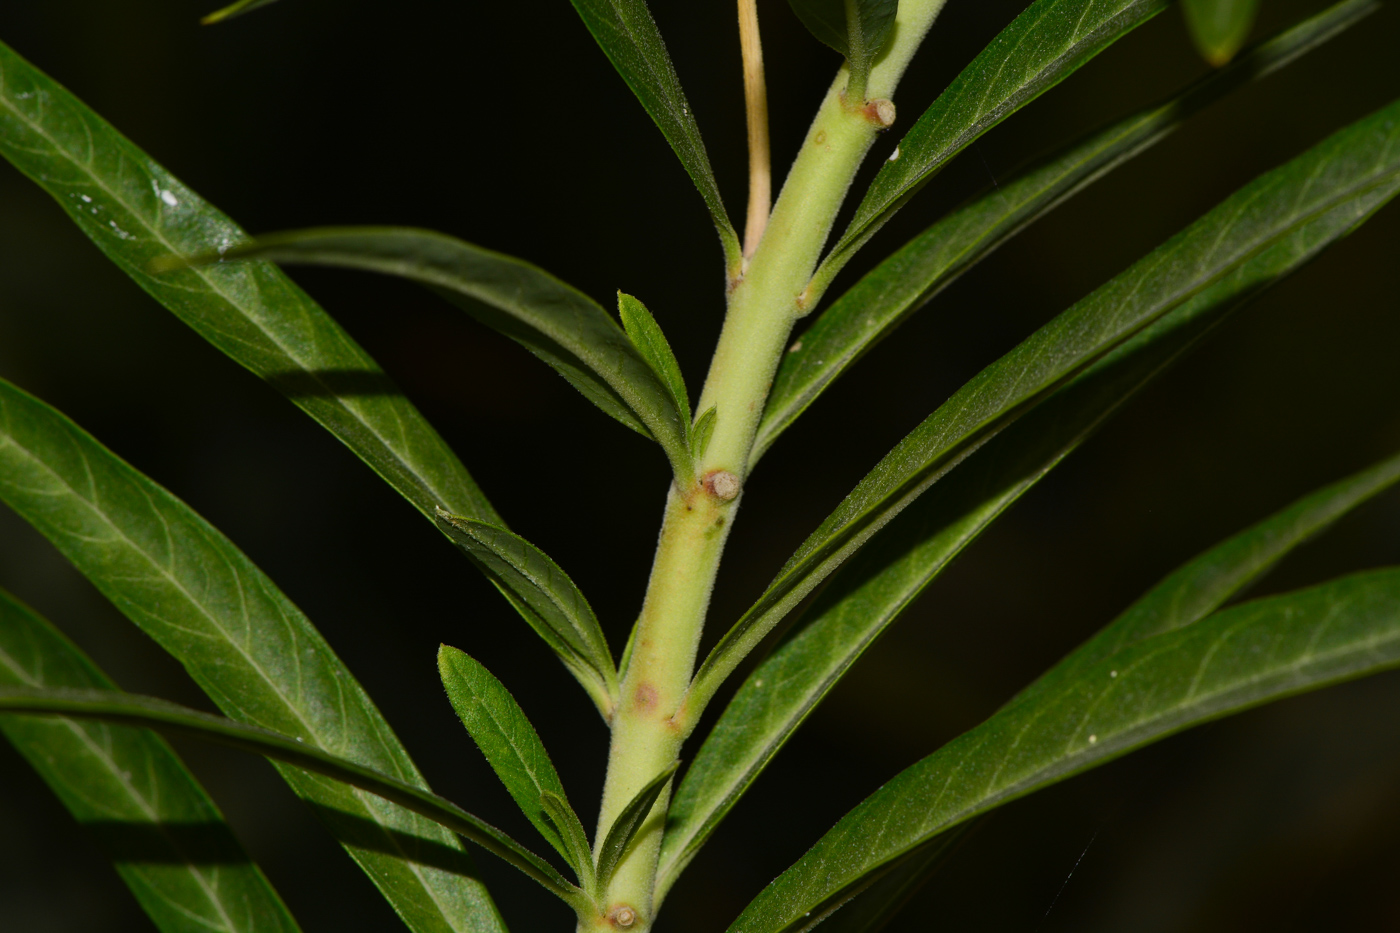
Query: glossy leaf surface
(136, 213)
(241, 640)
(556, 322)
(628, 35)
(927, 264)
(547, 599)
(1260, 233)
(1041, 47)
(1219, 27)
(512, 747)
(1238, 658)
(129, 789)
(858, 29)
(624, 828)
(172, 719)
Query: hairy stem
(651, 720)
(756, 108)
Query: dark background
(504, 124)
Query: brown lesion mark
(645, 696)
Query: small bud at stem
(722, 484)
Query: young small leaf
(1041, 47)
(547, 599)
(1233, 660)
(241, 640)
(107, 774)
(505, 736)
(556, 322)
(701, 433)
(1219, 27)
(172, 719)
(234, 9)
(911, 277)
(571, 830)
(651, 343)
(628, 35)
(624, 828)
(858, 29)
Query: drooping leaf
(545, 596)
(858, 29)
(128, 786)
(625, 827)
(234, 9)
(651, 343)
(172, 719)
(628, 35)
(136, 212)
(556, 322)
(1041, 47)
(500, 728)
(242, 641)
(1238, 658)
(702, 431)
(1219, 27)
(924, 266)
(566, 821)
(1260, 233)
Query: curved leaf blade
(566, 821)
(245, 644)
(628, 36)
(1262, 232)
(624, 828)
(1043, 46)
(1236, 659)
(136, 213)
(546, 598)
(1219, 27)
(170, 718)
(234, 9)
(512, 747)
(911, 277)
(858, 29)
(652, 344)
(556, 322)
(192, 876)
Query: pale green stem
(648, 725)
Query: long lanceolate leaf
(924, 266)
(253, 652)
(1040, 48)
(129, 789)
(1260, 233)
(559, 324)
(628, 35)
(151, 713)
(1238, 658)
(137, 212)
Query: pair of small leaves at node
(1219, 27)
(512, 747)
(1259, 234)
(554, 321)
(858, 29)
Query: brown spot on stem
(645, 696)
(820, 138)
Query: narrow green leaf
(628, 35)
(1219, 27)
(500, 728)
(136, 212)
(242, 641)
(867, 907)
(624, 828)
(556, 322)
(1041, 47)
(127, 787)
(1259, 234)
(858, 29)
(701, 433)
(234, 9)
(575, 838)
(927, 264)
(172, 719)
(1238, 658)
(547, 599)
(651, 343)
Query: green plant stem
(652, 720)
